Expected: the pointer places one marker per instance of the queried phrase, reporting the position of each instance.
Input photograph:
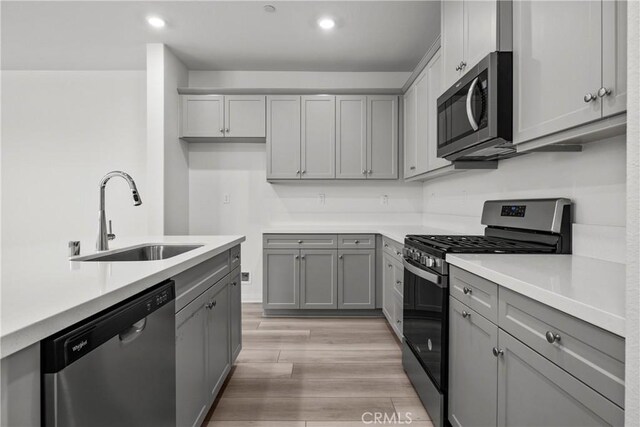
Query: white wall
(167, 155)
(594, 179)
(297, 79)
(61, 132)
(239, 169)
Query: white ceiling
(219, 35)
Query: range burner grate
(480, 244)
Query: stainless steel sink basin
(150, 252)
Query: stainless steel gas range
(512, 226)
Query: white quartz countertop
(42, 292)
(393, 232)
(590, 289)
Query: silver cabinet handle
(364, 171)
(398, 321)
(221, 130)
(297, 257)
(465, 314)
(497, 352)
(458, 67)
(552, 337)
(589, 97)
(234, 283)
(227, 130)
(298, 172)
(302, 257)
(299, 242)
(356, 241)
(389, 265)
(209, 305)
(412, 168)
(303, 171)
(398, 282)
(466, 290)
(463, 65)
(603, 91)
(340, 257)
(472, 120)
(370, 171)
(398, 253)
(386, 245)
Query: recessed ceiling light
(156, 22)
(326, 23)
(269, 8)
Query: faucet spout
(102, 243)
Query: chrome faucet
(103, 237)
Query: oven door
(425, 319)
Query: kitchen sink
(151, 252)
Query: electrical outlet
(321, 198)
(227, 199)
(384, 199)
(245, 277)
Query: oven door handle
(434, 278)
(472, 120)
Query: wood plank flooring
(313, 372)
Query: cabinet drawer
(303, 241)
(479, 294)
(357, 241)
(393, 248)
(234, 257)
(591, 354)
(194, 281)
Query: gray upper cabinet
(532, 391)
(471, 29)
(318, 137)
(245, 116)
(202, 116)
(614, 57)
(235, 298)
(223, 116)
(351, 137)
(356, 279)
(472, 368)
(410, 130)
(281, 278)
(318, 279)
(219, 358)
(547, 60)
(382, 137)
(283, 137)
(433, 73)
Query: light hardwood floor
(313, 372)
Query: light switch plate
(384, 199)
(245, 277)
(227, 199)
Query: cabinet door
(532, 391)
(480, 31)
(387, 288)
(473, 368)
(452, 27)
(281, 278)
(434, 82)
(283, 137)
(191, 363)
(555, 65)
(318, 137)
(356, 279)
(382, 137)
(410, 132)
(318, 279)
(351, 137)
(422, 123)
(614, 57)
(245, 116)
(202, 116)
(235, 296)
(218, 338)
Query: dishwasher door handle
(133, 331)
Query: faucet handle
(110, 235)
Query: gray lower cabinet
(281, 278)
(218, 338)
(532, 391)
(356, 278)
(472, 368)
(191, 363)
(392, 290)
(318, 279)
(235, 296)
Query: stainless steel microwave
(475, 115)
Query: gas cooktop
(477, 244)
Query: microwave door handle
(472, 120)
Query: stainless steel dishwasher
(116, 368)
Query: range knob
(430, 262)
(416, 255)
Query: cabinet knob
(386, 246)
(465, 314)
(412, 168)
(227, 130)
(297, 257)
(603, 91)
(364, 171)
(340, 257)
(356, 241)
(221, 130)
(369, 171)
(398, 282)
(458, 67)
(398, 253)
(303, 171)
(398, 321)
(463, 65)
(234, 283)
(302, 257)
(497, 352)
(552, 337)
(298, 172)
(466, 290)
(389, 265)
(299, 242)
(589, 97)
